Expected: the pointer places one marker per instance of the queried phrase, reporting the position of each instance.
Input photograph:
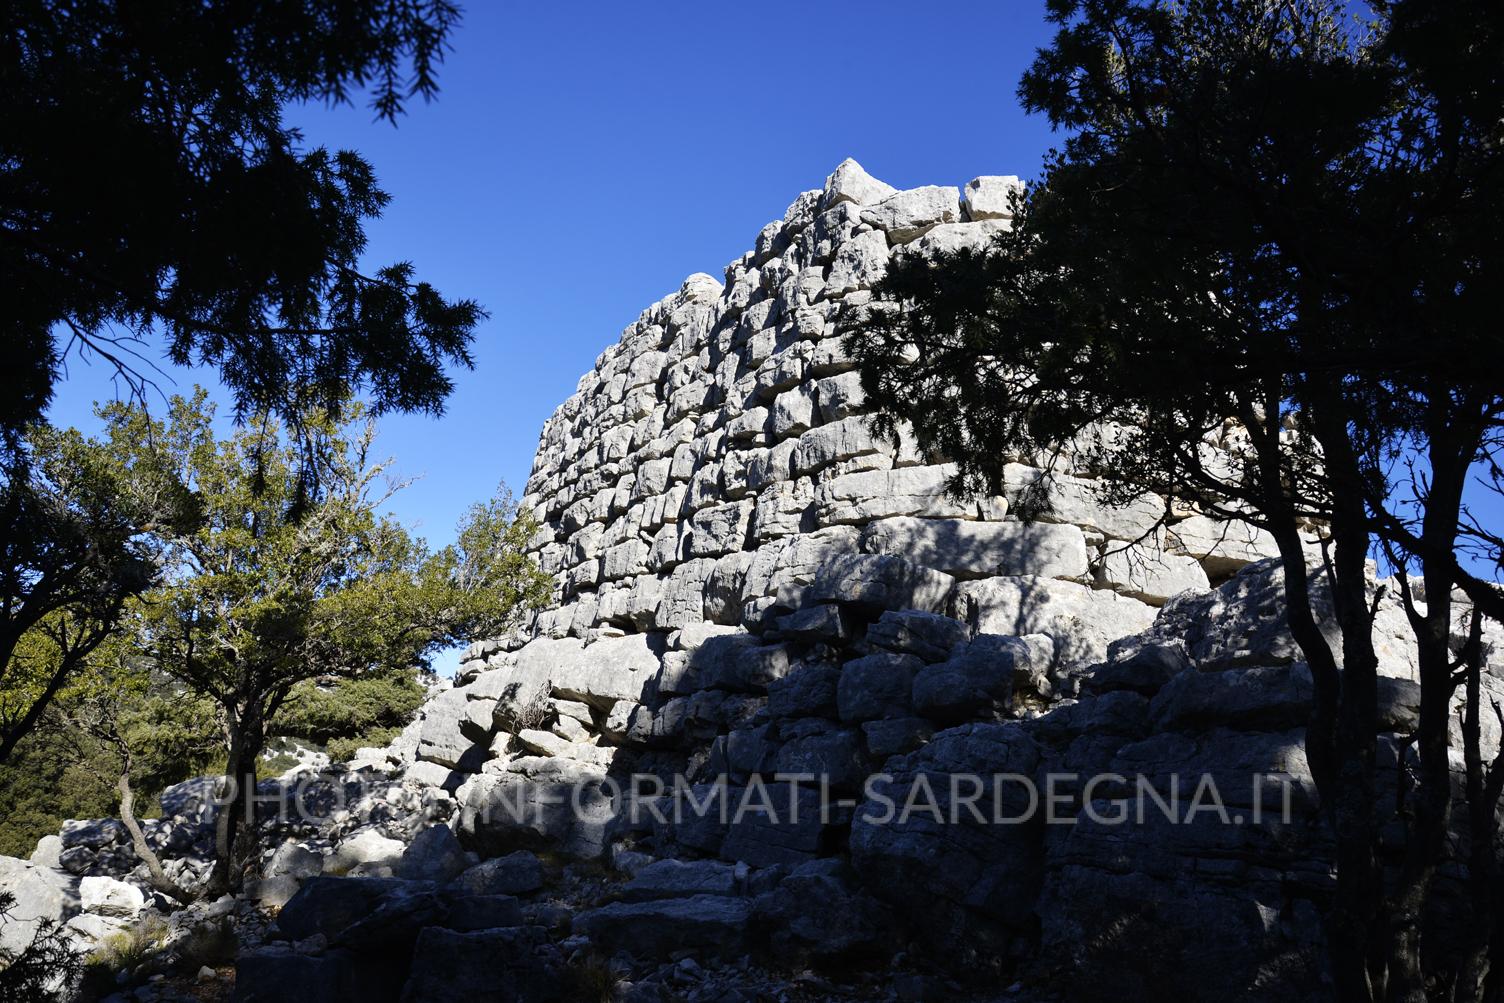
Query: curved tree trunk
(159, 879)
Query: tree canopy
(270, 588)
(151, 188)
(75, 525)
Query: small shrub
(126, 950)
(342, 750)
(522, 707)
(275, 766)
(593, 980)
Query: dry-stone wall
(718, 456)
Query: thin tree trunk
(1426, 841)
(159, 879)
(1483, 788)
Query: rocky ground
(383, 886)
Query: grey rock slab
(1081, 621)
(971, 549)
(850, 183)
(518, 873)
(712, 925)
(988, 197)
(929, 635)
(670, 878)
(434, 855)
(907, 215)
(876, 686)
(978, 682)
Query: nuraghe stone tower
(749, 584)
(718, 456)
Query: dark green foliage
(342, 750)
(276, 587)
(56, 774)
(72, 554)
(61, 771)
(148, 183)
(323, 710)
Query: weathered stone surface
(988, 197)
(877, 686)
(366, 847)
(433, 855)
(1058, 497)
(1080, 621)
(560, 804)
(879, 581)
(109, 897)
(814, 623)
(610, 669)
(329, 905)
(818, 913)
(850, 183)
(713, 925)
(979, 680)
(893, 736)
(1242, 623)
(910, 214)
(808, 690)
(928, 635)
(823, 753)
(976, 862)
(968, 549)
(514, 874)
(737, 662)
(294, 861)
(443, 739)
(1273, 698)
(1149, 574)
(665, 879)
(860, 263)
(41, 893)
(1222, 547)
(861, 497)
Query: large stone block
(910, 214)
(875, 582)
(1080, 621)
(850, 183)
(877, 686)
(966, 549)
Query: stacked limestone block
(715, 472)
(719, 452)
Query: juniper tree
(275, 587)
(75, 547)
(1274, 228)
(152, 190)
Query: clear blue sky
(582, 159)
